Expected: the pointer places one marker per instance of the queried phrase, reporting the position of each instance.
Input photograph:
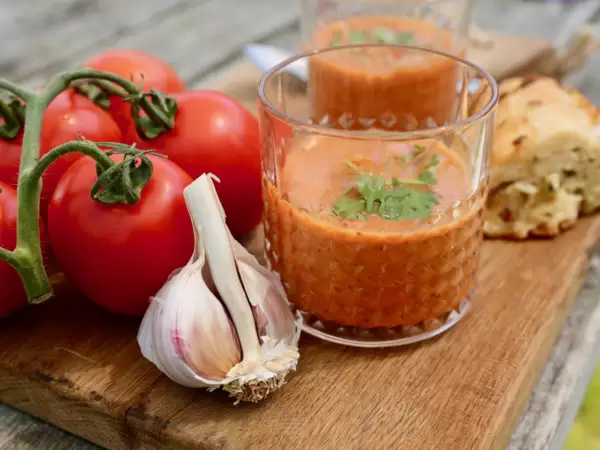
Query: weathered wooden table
(203, 39)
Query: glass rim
(324, 130)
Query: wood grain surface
(79, 368)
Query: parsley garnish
(379, 35)
(404, 204)
(418, 149)
(404, 38)
(431, 169)
(370, 194)
(350, 208)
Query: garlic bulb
(222, 320)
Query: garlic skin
(223, 320)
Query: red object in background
(146, 70)
(215, 134)
(69, 116)
(12, 293)
(120, 255)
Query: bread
(545, 160)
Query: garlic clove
(203, 333)
(272, 313)
(222, 320)
(186, 323)
(208, 215)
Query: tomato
(120, 255)
(13, 295)
(10, 156)
(68, 116)
(146, 70)
(214, 133)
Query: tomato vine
(26, 257)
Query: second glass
(374, 192)
(436, 24)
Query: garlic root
(222, 320)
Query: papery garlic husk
(223, 320)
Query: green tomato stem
(156, 114)
(86, 147)
(13, 123)
(27, 255)
(25, 94)
(9, 257)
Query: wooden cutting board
(79, 368)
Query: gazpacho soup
(373, 233)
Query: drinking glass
(374, 180)
(436, 24)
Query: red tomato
(214, 133)
(10, 156)
(120, 255)
(146, 70)
(13, 295)
(67, 117)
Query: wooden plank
(21, 432)
(203, 38)
(554, 404)
(58, 34)
(465, 390)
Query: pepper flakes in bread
(545, 160)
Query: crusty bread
(545, 160)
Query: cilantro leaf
(357, 37)
(433, 165)
(427, 178)
(408, 204)
(371, 188)
(405, 38)
(351, 208)
(391, 201)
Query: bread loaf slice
(545, 160)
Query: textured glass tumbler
(373, 221)
(437, 24)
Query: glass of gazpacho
(374, 228)
(437, 24)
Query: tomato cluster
(119, 255)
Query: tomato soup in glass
(374, 228)
(411, 89)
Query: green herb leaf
(427, 178)
(337, 40)
(404, 38)
(371, 188)
(419, 149)
(434, 164)
(383, 35)
(351, 208)
(407, 204)
(399, 182)
(353, 166)
(357, 37)
(431, 169)
(393, 201)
